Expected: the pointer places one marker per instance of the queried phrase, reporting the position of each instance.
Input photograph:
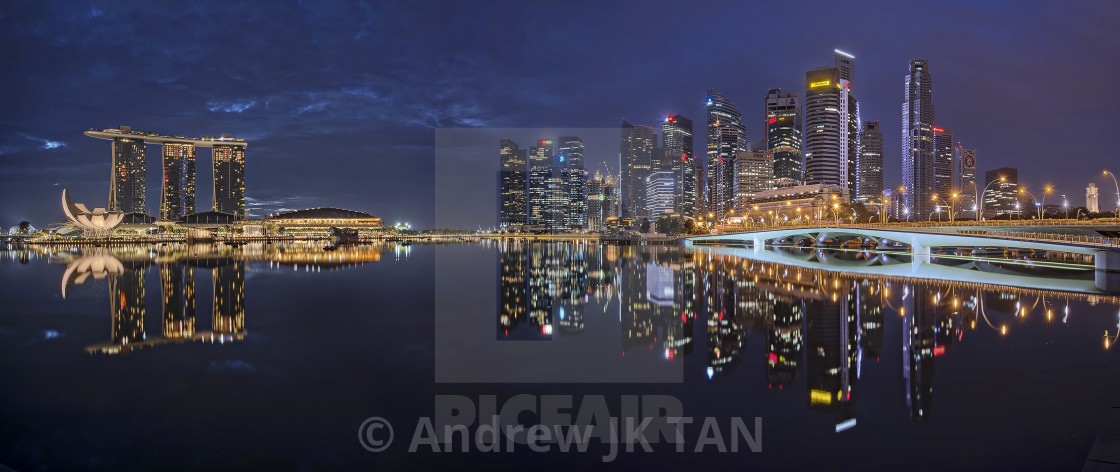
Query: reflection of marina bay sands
(127, 304)
(127, 185)
(179, 267)
(820, 329)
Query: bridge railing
(955, 228)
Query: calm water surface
(187, 357)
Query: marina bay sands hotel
(127, 186)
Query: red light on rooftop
(672, 118)
(938, 130)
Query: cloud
(230, 106)
(44, 144)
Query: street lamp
(1110, 174)
(1045, 190)
(1023, 190)
(1065, 205)
(980, 196)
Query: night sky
(340, 100)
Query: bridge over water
(918, 242)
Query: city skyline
(378, 124)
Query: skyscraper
(177, 197)
(832, 125)
(917, 140)
(127, 186)
(570, 149)
(512, 179)
(547, 198)
(966, 178)
(661, 190)
(754, 172)
(824, 127)
(783, 133)
(869, 180)
(943, 162)
(229, 179)
(635, 154)
(595, 202)
(1000, 199)
(726, 136)
(676, 135)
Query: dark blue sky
(339, 100)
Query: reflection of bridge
(917, 243)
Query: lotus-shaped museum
(98, 221)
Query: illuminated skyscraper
(177, 197)
(676, 135)
(869, 178)
(548, 200)
(127, 187)
(1001, 197)
(635, 153)
(229, 179)
(783, 133)
(570, 150)
(512, 179)
(726, 137)
(943, 163)
(917, 140)
(661, 190)
(831, 130)
(966, 178)
(595, 202)
(754, 172)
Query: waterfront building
(813, 200)
(966, 178)
(726, 136)
(917, 140)
(869, 178)
(676, 135)
(782, 116)
(635, 153)
(754, 173)
(324, 218)
(547, 199)
(1002, 196)
(570, 158)
(229, 179)
(943, 148)
(127, 187)
(661, 192)
(831, 125)
(512, 180)
(177, 196)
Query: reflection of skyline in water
(178, 289)
(177, 266)
(819, 328)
